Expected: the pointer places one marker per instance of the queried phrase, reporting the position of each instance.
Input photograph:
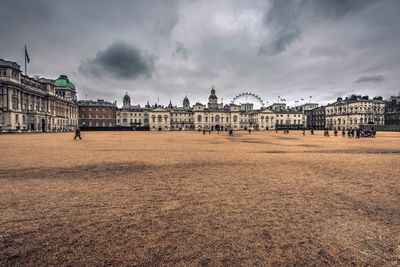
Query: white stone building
(213, 116)
(354, 112)
(35, 104)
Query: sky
(168, 49)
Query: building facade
(132, 116)
(98, 113)
(315, 118)
(214, 116)
(354, 112)
(34, 103)
(392, 111)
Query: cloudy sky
(168, 49)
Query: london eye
(248, 97)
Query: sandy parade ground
(184, 198)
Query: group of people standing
(351, 133)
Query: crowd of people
(351, 133)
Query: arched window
(159, 118)
(235, 118)
(216, 118)
(199, 118)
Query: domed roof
(127, 98)
(63, 81)
(213, 96)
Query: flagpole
(25, 59)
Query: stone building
(34, 103)
(132, 116)
(181, 117)
(160, 119)
(213, 116)
(315, 118)
(392, 111)
(289, 119)
(98, 113)
(354, 112)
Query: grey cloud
(282, 18)
(120, 60)
(308, 47)
(286, 19)
(180, 50)
(370, 79)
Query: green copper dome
(63, 81)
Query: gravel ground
(184, 198)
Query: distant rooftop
(98, 102)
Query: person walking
(343, 133)
(77, 133)
(312, 131)
(204, 131)
(304, 132)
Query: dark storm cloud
(286, 18)
(282, 18)
(120, 60)
(370, 79)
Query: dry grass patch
(144, 198)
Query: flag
(27, 56)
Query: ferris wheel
(248, 97)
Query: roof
(10, 64)
(134, 109)
(159, 109)
(359, 100)
(99, 102)
(63, 81)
